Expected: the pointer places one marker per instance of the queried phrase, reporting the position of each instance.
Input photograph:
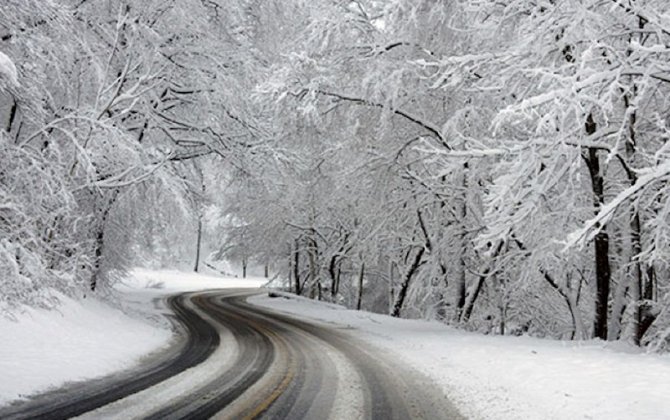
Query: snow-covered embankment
(86, 339)
(493, 377)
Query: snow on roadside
(86, 339)
(500, 378)
(162, 282)
(79, 340)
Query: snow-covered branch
(591, 228)
(430, 127)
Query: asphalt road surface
(238, 361)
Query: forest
(500, 166)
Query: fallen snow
(86, 339)
(8, 69)
(81, 340)
(162, 282)
(501, 378)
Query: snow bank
(80, 340)
(501, 378)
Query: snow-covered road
(245, 362)
(487, 377)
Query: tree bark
(12, 115)
(296, 268)
(577, 328)
(638, 281)
(198, 207)
(361, 275)
(334, 268)
(315, 283)
(601, 241)
(443, 304)
(198, 242)
(474, 294)
(100, 240)
(460, 275)
(404, 285)
(641, 286)
(97, 267)
(334, 273)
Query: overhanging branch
(431, 128)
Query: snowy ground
(511, 377)
(42, 349)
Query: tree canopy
(500, 166)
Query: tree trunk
(618, 305)
(443, 304)
(361, 275)
(315, 283)
(97, 265)
(334, 271)
(601, 241)
(290, 265)
(460, 275)
(470, 303)
(198, 243)
(100, 240)
(503, 314)
(638, 285)
(296, 268)
(391, 284)
(244, 267)
(12, 115)
(474, 294)
(573, 308)
(404, 285)
(580, 330)
(602, 284)
(199, 210)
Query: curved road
(240, 361)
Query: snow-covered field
(511, 377)
(42, 349)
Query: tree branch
(406, 115)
